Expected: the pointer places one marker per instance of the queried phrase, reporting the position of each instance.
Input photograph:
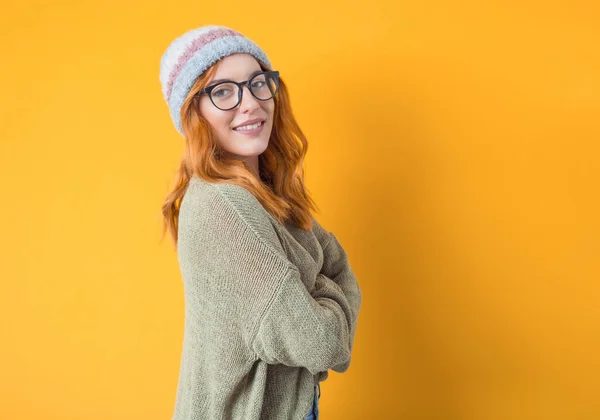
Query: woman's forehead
(237, 67)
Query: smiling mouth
(249, 128)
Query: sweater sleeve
(336, 268)
(300, 329)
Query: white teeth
(248, 127)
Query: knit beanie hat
(191, 54)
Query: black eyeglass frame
(274, 74)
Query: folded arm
(336, 269)
(236, 271)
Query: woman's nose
(248, 101)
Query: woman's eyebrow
(227, 80)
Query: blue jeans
(314, 411)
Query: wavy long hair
(280, 189)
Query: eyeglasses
(228, 94)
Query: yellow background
(453, 151)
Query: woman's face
(240, 145)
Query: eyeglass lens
(226, 95)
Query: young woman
(271, 302)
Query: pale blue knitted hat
(191, 54)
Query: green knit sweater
(269, 308)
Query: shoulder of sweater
(207, 203)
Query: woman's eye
(220, 92)
(258, 84)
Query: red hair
(281, 188)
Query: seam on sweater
(281, 236)
(253, 335)
(248, 225)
